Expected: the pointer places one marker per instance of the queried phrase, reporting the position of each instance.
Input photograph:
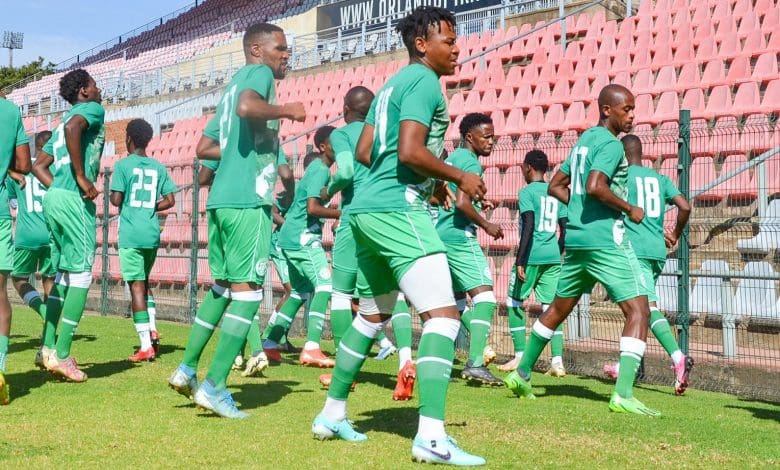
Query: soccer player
(538, 261)
(140, 187)
(32, 253)
(349, 180)
(74, 149)
(457, 228)
(652, 192)
(14, 155)
(396, 240)
(593, 183)
(300, 240)
(246, 125)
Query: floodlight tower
(12, 40)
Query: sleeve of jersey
(524, 198)
(261, 80)
(420, 102)
(609, 157)
(48, 147)
(345, 168)
(670, 190)
(21, 136)
(212, 129)
(210, 164)
(93, 113)
(281, 157)
(166, 184)
(370, 116)
(118, 182)
(472, 167)
(318, 181)
(565, 167)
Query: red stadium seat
(766, 68)
(703, 173)
(515, 124)
(718, 103)
(747, 99)
(505, 98)
(668, 108)
(576, 119)
(771, 101)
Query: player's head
(40, 140)
(78, 86)
(535, 164)
(310, 157)
(429, 35)
(476, 132)
(265, 43)
(322, 142)
(357, 101)
(616, 108)
(139, 133)
(633, 147)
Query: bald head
(357, 101)
(633, 147)
(616, 108)
(613, 95)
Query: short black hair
(537, 160)
(259, 29)
(416, 24)
(322, 134)
(473, 120)
(139, 132)
(72, 82)
(41, 138)
(310, 157)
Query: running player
(652, 192)
(596, 247)
(14, 155)
(396, 240)
(538, 262)
(75, 149)
(457, 228)
(246, 125)
(140, 187)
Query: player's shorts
(344, 258)
(617, 269)
(309, 270)
(468, 265)
(33, 260)
(6, 245)
(136, 263)
(388, 243)
(239, 243)
(540, 279)
(651, 268)
(280, 264)
(71, 221)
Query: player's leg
(151, 307)
(402, 329)
(59, 289)
(6, 265)
(516, 318)
(26, 264)
(543, 280)
(132, 265)
(279, 323)
(344, 279)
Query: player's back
(350, 134)
(31, 231)
(547, 212)
(11, 123)
(651, 191)
(300, 228)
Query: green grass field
(126, 416)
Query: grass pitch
(126, 416)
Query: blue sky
(58, 30)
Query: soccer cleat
(255, 365)
(42, 357)
(323, 429)
(183, 382)
(488, 356)
(519, 386)
(509, 366)
(386, 352)
(288, 347)
(682, 371)
(272, 354)
(155, 341)
(66, 368)
(611, 370)
(143, 355)
(315, 358)
(556, 370)
(480, 374)
(325, 380)
(631, 405)
(443, 451)
(220, 403)
(238, 363)
(5, 390)
(404, 387)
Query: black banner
(352, 14)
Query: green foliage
(9, 76)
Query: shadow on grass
(377, 378)
(167, 349)
(24, 382)
(106, 369)
(21, 346)
(771, 414)
(256, 395)
(399, 421)
(571, 390)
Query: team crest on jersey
(325, 273)
(618, 230)
(261, 267)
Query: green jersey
(250, 151)
(547, 212)
(592, 225)
(652, 192)
(412, 94)
(344, 143)
(143, 181)
(12, 136)
(31, 230)
(299, 228)
(451, 224)
(92, 140)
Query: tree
(11, 75)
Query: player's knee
(484, 297)
(427, 283)
(378, 305)
(80, 280)
(341, 301)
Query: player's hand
(86, 185)
(670, 239)
(488, 205)
(295, 111)
(22, 183)
(636, 214)
(439, 195)
(472, 185)
(324, 196)
(494, 230)
(521, 273)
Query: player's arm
(683, 213)
(254, 107)
(21, 162)
(466, 207)
(205, 176)
(562, 230)
(364, 145)
(207, 149)
(167, 201)
(345, 169)
(288, 181)
(277, 216)
(527, 225)
(413, 153)
(315, 208)
(597, 187)
(40, 168)
(116, 198)
(559, 187)
(18, 177)
(74, 129)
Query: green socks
(151, 308)
(516, 324)
(207, 318)
(283, 319)
(402, 328)
(316, 321)
(53, 310)
(434, 365)
(33, 299)
(3, 352)
(556, 343)
(235, 326)
(253, 336)
(663, 332)
(72, 311)
(479, 325)
(340, 315)
(631, 352)
(355, 345)
(540, 336)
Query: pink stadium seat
(511, 184)
(534, 120)
(576, 118)
(505, 98)
(668, 108)
(684, 54)
(766, 68)
(704, 30)
(643, 111)
(729, 47)
(747, 99)
(693, 100)
(669, 169)
(714, 74)
(554, 118)
(700, 137)
(739, 70)
(719, 102)
(457, 105)
(725, 137)
(688, 78)
(758, 135)
(530, 75)
(514, 76)
(598, 83)
(664, 56)
(524, 97)
(622, 78)
(666, 140)
(453, 134)
(666, 79)
(741, 187)
(621, 63)
(489, 102)
(580, 89)
(515, 124)
(770, 21)
(643, 82)
(726, 27)
(748, 24)
(560, 93)
(642, 59)
(702, 173)
(492, 178)
(498, 122)
(754, 44)
(771, 100)
(472, 102)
